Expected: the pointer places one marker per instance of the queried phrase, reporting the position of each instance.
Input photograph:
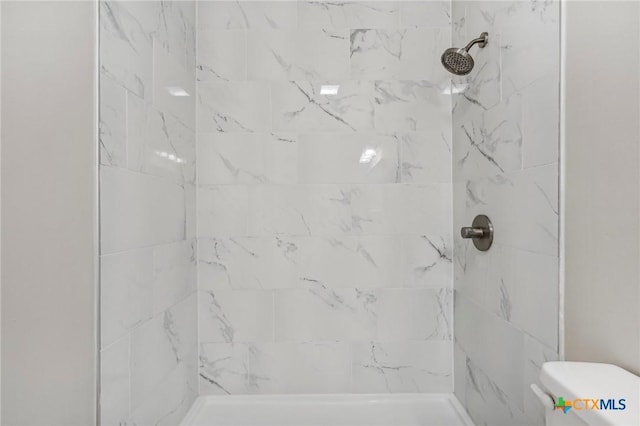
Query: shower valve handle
(480, 232)
(472, 232)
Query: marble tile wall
(324, 220)
(505, 165)
(148, 342)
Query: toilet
(586, 393)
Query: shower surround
(305, 243)
(324, 220)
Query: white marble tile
(113, 123)
(190, 211)
(348, 14)
(541, 122)
(222, 210)
(490, 143)
(235, 316)
(525, 293)
(222, 55)
(233, 106)
(523, 205)
(247, 14)
(169, 78)
(348, 158)
(280, 156)
(411, 106)
(169, 401)
(298, 54)
(425, 157)
(412, 366)
(126, 293)
(300, 367)
(247, 158)
(114, 383)
(299, 106)
(138, 210)
(331, 210)
(176, 31)
(486, 402)
(485, 338)
(422, 209)
(282, 210)
(321, 313)
(158, 143)
(232, 263)
(525, 59)
(405, 54)
(429, 260)
(224, 369)
(126, 45)
(337, 262)
(161, 347)
(425, 13)
(230, 158)
(460, 373)
(174, 273)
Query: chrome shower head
(458, 61)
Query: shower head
(458, 61)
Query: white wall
(602, 136)
(48, 213)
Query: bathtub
(327, 410)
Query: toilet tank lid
(589, 380)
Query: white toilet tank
(586, 393)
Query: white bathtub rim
(203, 400)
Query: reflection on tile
(348, 158)
(158, 143)
(174, 87)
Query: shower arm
(482, 41)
